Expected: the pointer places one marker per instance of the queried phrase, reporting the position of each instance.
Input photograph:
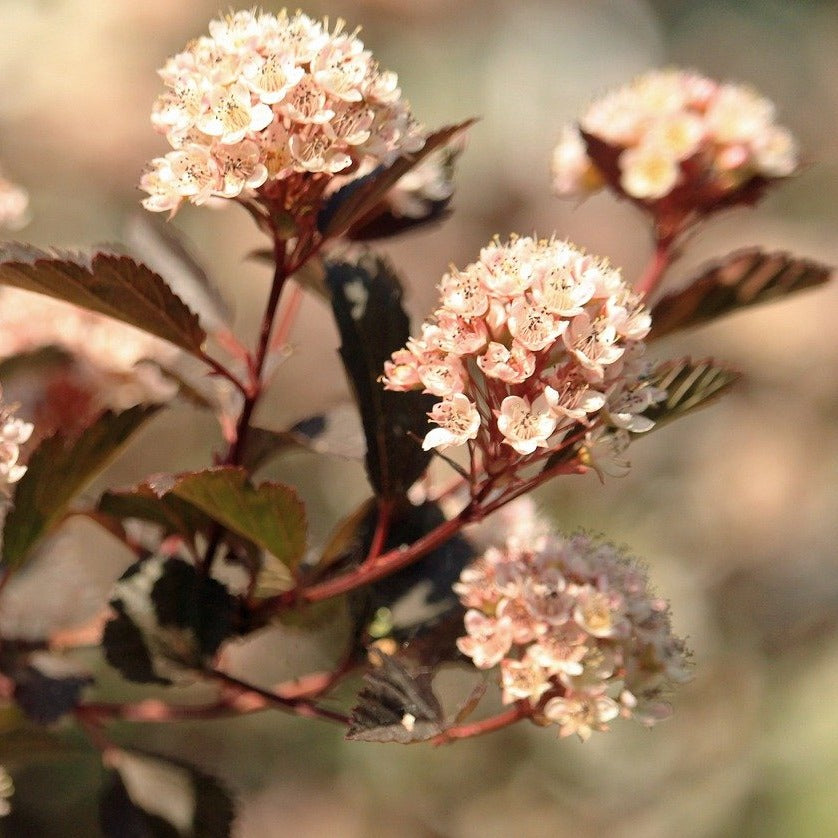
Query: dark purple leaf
(396, 704)
(107, 283)
(366, 300)
(357, 199)
(741, 279)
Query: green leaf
(689, 386)
(366, 300)
(356, 200)
(107, 283)
(58, 469)
(741, 279)
(271, 515)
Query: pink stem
(520, 710)
(660, 261)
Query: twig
(520, 710)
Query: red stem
(299, 706)
(520, 710)
(660, 261)
(306, 687)
(379, 566)
(386, 563)
(287, 316)
(253, 391)
(236, 451)
(382, 529)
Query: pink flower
(510, 365)
(574, 627)
(525, 426)
(306, 100)
(534, 326)
(458, 421)
(665, 118)
(581, 714)
(531, 353)
(488, 639)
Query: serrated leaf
(169, 620)
(366, 300)
(357, 199)
(107, 283)
(57, 470)
(149, 796)
(741, 279)
(689, 386)
(396, 704)
(271, 515)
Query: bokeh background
(734, 508)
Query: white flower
(458, 419)
(572, 624)
(649, 171)
(488, 639)
(510, 365)
(775, 152)
(270, 77)
(593, 343)
(13, 433)
(341, 68)
(525, 427)
(240, 167)
(533, 326)
(232, 114)
(581, 714)
(443, 378)
(677, 135)
(725, 132)
(738, 114)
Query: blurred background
(735, 508)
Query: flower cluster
(13, 433)
(266, 96)
(575, 630)
(535, 341)
(671, 128)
